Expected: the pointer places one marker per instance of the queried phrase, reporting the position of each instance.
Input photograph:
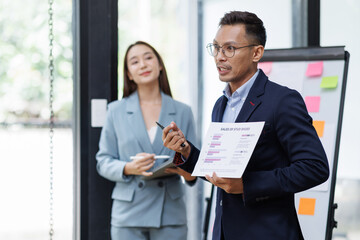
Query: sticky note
(307, 206)
(329, 82)
(314, 69)
(312, 103)
(319, 127)
(266, 67)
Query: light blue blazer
(137, 202)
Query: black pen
(162, 127)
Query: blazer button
(140, 185)
(160, 184)
(220, 202)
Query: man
(288, 157)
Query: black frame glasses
(228, 51)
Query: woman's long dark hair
(130, 86)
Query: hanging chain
(51, 134)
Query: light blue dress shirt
(237, 99)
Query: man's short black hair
(254, 26)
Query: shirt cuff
(178, 159)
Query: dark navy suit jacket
(287, 159)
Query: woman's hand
(140, 165)
(187, 176)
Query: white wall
(339, 26)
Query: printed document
(227, 149)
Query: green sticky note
(329, 82)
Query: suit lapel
(219, 109)
(250, 104)
(137, 124)
(167, 115)
(253, 99)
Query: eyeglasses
(227, 49)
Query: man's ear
(258, 53)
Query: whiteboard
(319, 75)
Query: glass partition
(24, 120)
(168, 27)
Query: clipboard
(159, 171)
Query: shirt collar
(243, 90)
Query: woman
(144, 209)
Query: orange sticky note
(265, 66)
(307, 206)
(312, 103)
(314, 69)
(319, 127)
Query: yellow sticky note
(329, 82)
(307, 206)
(319, 127)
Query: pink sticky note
(314, 69)
(312, 103)
(266, 67)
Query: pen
(162, 127)
(156, 157)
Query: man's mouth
(223, 69)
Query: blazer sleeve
(188, 164)
(109, 164)
(305, 161)
(190, 133)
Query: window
(24, 114)
(167, 26)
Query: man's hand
(173, 138)
(139, 166)
(229, 185)
(187, 176)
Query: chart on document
(227, 148)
